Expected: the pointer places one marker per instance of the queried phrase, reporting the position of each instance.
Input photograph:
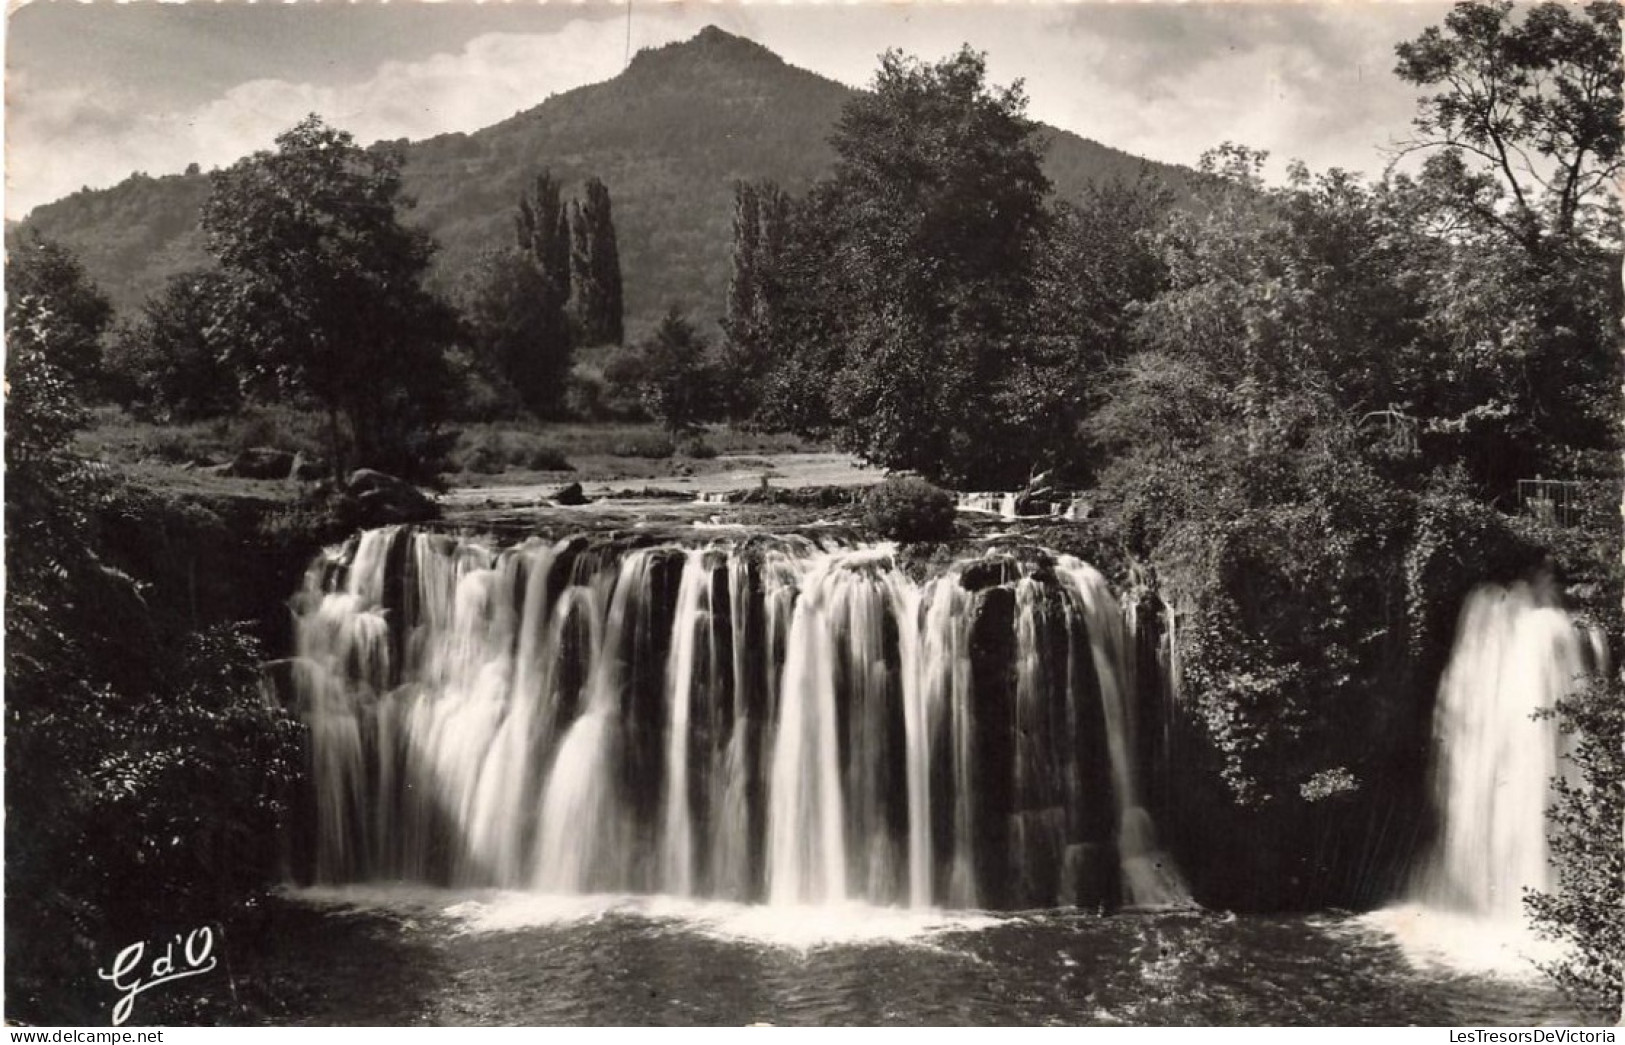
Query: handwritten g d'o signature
(197, 950)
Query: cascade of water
(806, 833)
(677, 855)
(734, 838)
(919, 718)
(764, 720)
(1150, 876)
(1516, 653)
(582, 832)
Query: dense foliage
(327, 294)
(175, 362)
(761, 217)
(1304, 408)
(595, 269)
(145, 770)
(57, 311)
(529, 308)
(1584, 911)
(519, 340)
(908, 509)
(676, 375)
(928, 231)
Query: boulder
(384, 499)
(262, 462)
(306, 468)
(988, 573)
(571, 495)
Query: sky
(95, 91)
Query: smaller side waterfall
(1516, 653)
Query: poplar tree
(543, 350)
(595, 269)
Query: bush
(1583, 911)
(653, 446)
(493, 451)
(485, 461)
(699, 449)
(280, 428)
(544, 458)
(586, 393)
(908, 509)
(482, 394)
(624, 374)
(176, 446)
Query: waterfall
(763, 719)
(1516, 653)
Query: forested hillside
(669, 136)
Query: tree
(799, 320)
(1522, 136)
(150, 760)
(1587, 850)
(1524, 133)
(54, 317)
(679, 384)
(595, 269)
(939, 195)
(542, 226)
(328, 298)
(52, 304)
(175, 361)
(760, 219)
(517, 329)
(1097, 270)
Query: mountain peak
(711, 46)
(712, 34)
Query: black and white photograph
(634, 513)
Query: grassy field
(485, 452)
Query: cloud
(1310, 82)
(60, 138)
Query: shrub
(699, 449)
(485, 461)
(624, 374)
(280, 428)
(482, 393)
(492, 451)
(542, 457)
(586, 393)
(653, 446)
(908, 509)
(1583, 910)
(175, 446)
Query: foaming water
(412, 954)
(793, 927)
(1506, 948)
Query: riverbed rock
(262, 462)
(384, 499)
(571, 496)
(306, 468)
(988, 573)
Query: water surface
(410, 955)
